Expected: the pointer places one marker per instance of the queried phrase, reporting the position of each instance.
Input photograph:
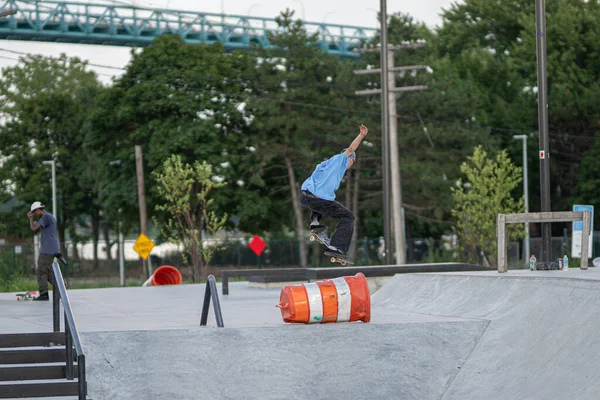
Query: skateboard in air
(26, 296)
(335, 258)
(320, 237)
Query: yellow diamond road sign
(143, 246)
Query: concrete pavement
(481, 335)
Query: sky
(353, 12)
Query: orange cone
(345, 299)
(165, 275)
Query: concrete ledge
(391, 270)
(279, 277)
(289, 274)
(273, 285)
(282, 277)
(375, 283)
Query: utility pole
(385, 130)
(393, 164)
(544, 142)
(121, 238)
(139, 166)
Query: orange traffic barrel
(344, 299)
(165, 275)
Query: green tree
(485, 192)
(437, 128)
(495, 44)
(45, 103)
(303, 100)
(588, 188)
(177, 98)
(185, 190)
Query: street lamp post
(53, 164)
(251, 7)
(526, 253)
(121, 238)
(302, 5)
(325, 16)
(121, 251)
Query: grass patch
(19, 284)
(26, 284)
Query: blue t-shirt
(326, 178)
(48, 236)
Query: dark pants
(44, 272)
(342, 236)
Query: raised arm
(356, 142)
(34, 227)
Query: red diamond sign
(257, 245)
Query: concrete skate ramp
(543, 339)
(333, 361)
(463, 336)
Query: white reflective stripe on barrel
(344, 299)
(315, 302)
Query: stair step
(32, 339)
(28, 389)
(36, 356)
(35, 373)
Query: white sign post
(578, 230)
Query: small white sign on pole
(578, 232)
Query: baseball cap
(36, 205)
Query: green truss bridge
(120, 25)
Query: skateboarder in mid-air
(318, 194)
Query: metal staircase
(34, 365)
(50, 364)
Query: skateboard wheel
(312, 238)
(343, 263)
(332, 259)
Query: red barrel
(344, 299)
(165, 275)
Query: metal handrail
(71, 333)
(211, 291)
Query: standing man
(49, 246)
(318, 194)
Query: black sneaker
(332, 251)
(42, 297)
(318, 228)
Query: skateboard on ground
(335, 258)
(26, 296)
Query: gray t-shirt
(48, 236)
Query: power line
(55, 58)
(9, 58)
(391, 165)
(204, 77)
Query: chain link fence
(18, 260)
